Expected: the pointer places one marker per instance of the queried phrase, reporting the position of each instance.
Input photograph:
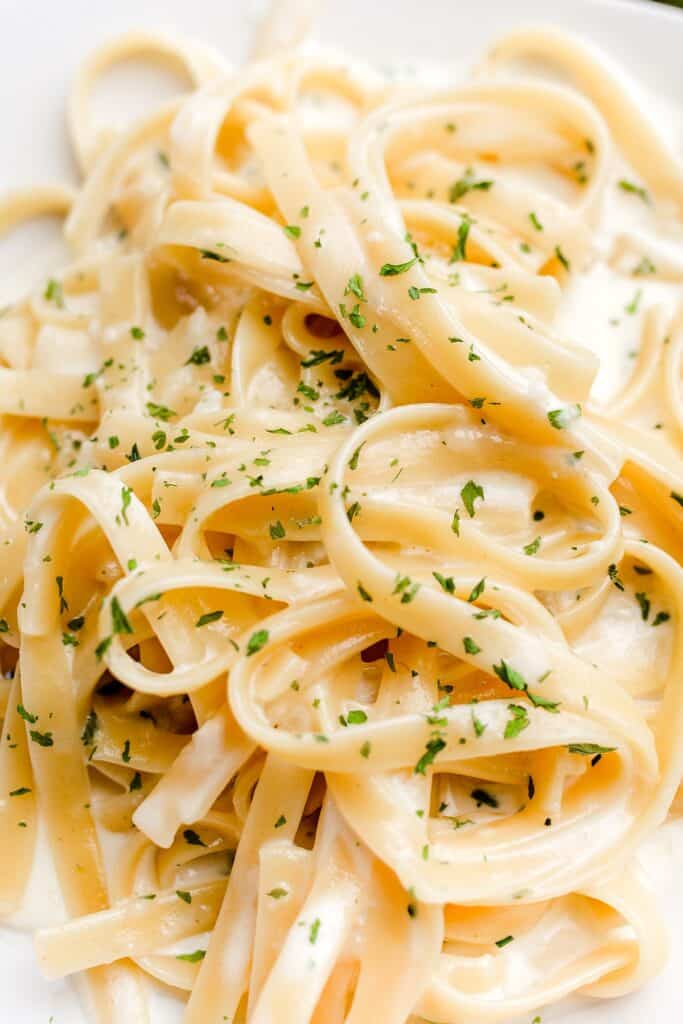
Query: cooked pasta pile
(341, 627)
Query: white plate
(42, 43)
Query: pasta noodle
(342, 618)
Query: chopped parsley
(257, 641)
(644, 602)
(447, 583)
(433, 747)
(469, 494)
(613, 574)
(560, 419)
(394, 269)
(562, 258)
(636, 190)
(460, 247)
(278, 893)
(119, 621)
(589, 749)
(43, 739)
(354, 286)
(54, 293)
(209, 617)
(467, 184)
(200, 356)
(90, 728)
(159, 412)
(277, 530)
(318, 356)
(518, 721)
(510, 676)
(26, 715)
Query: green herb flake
(447, 583)
(277, 530)
(159, 412)
(514, 679)
(560, 419)
(43, 739)
(478, 726)
(469, 494)
(562, 258)
(644, 602)
(119, 621)
(200, 356)
(208, 617)
(90, 729)
(257, 641)
(54, 293)
(467, 184)
(636, 190)
(613, 574)
(354, 286)
(278, 893)
(518, 721)
(394, 269)
(208, 254)
(588, 749)
(460, 249)
(433, 747)
(26, 715)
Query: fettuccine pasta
(341, 611)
